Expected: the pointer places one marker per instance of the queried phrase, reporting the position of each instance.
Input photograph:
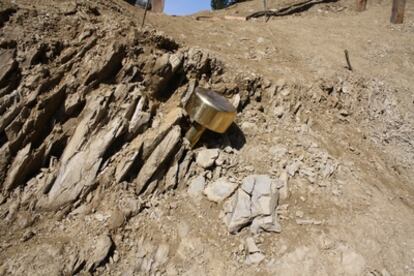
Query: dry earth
(315, 177)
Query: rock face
(81, 113)
(91, 129)
(254, 204)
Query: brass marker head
(208, 109)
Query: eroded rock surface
(253, 203)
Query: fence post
(361, 5)
(397, 13)
(157, 5)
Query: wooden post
(157, 5)
(361, 5)
(145, 14)
(266, 10)
(397, 13)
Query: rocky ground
(314, 178)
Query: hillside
(315, 177)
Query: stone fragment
(308, 173)
(278, 151)
(237, 211)
(229, 149)
(93, 113)
(155, 135)
(8, 65)
(236, 101)
(253, 203)
(344, 112)
(266, 223)
(251, 246)
(116, 256)
(279, 111)
(129, 155)
(27, 235)
(12, 114)
(157, 158)
(284, 190)
(72, 103)
(218, 172)
(352, 262)
(129, 205)
(160, 76)
(69, 9)
(139, 119)
(161, 255)
(36, 125)
(301, 221)
(206, 157)
(78, 172)
(162, 64)
(152, 185)
(171, 177)
(99, 254)
(176, 61)
(255, 258)
(107, 66)
(220, 189)
(299, 214)
(264, 196)
(293, 167)
(116, 219)
(254, 254)
(18, 168)
(37, 54)
(5, 13)
(4, 162)
(196, 187)
(143, 145)
(328, 168)
(197, 60)
(8, 100)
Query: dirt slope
(315, 177)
